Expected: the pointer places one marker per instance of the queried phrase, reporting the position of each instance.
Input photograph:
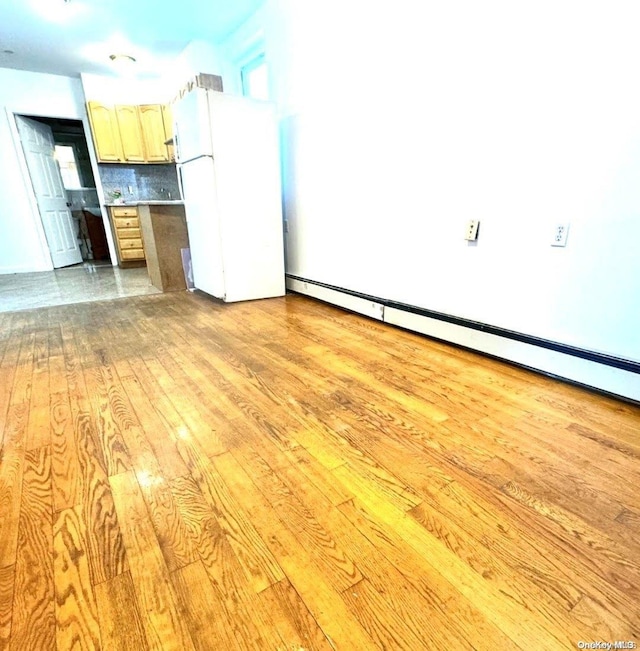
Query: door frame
(11, 113)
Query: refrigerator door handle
(180, 188)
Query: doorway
(64, 187)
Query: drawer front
(131, 244)
(126, 222)
(124, 212)
(128, 233)
(132, 254)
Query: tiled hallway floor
(77, 284)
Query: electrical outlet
(560, 234)
(471, 232)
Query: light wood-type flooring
(280, 474)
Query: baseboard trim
(605, 373)
(352, 301)
(6, 271)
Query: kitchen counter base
(164, 230)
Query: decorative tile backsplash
(140, 182)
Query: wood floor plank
(630, 518)
(385, 441)
(440, 597)
(12, 337)
(136, 402)
(23, 375)
(318, 475)
(65, 464)
(260, 566)
(334, 560)
(12, 462)
(107, 555)
(296, 626)
(382, 582)
(544, 474)
(381, 616)
(197, 418)
(150, 473)
(121, 625)
(232, 595)
(114, 448)
(516, 540)
(33, 623)
(78, 395)
(511, 618)
(57, 370)
(38, 434)
(325, 604)
(163, 626)
(7, 579)
(616, 560)
(174, 538)
(593, 615)
(76, 609)
(106, 551)
(200, 605)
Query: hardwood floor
(178, 474)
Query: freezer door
(203, 224)
(192, 126)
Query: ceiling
(77, 36)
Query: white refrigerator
(227, 151)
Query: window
(255, 78)
(68, 165)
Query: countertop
(149, 202)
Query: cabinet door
(106, 134)
(130, 133)
(167, 118)
(153, 133)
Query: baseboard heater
(604, 373)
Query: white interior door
(39, 148)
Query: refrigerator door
(203, 225)
(247, 162)
(192, 130)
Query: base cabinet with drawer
(128, 234)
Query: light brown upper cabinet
(153, 132)
(131, 134)
(106, 133)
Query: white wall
(124, 90)
(403, 120)
(22, 243)
(198, 56)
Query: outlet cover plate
(471, 232)
(560, 234)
